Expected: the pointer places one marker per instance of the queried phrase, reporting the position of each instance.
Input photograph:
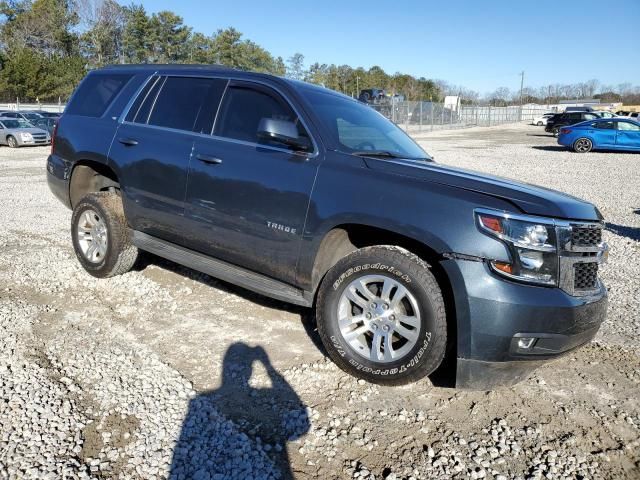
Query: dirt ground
(138, 364)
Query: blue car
(617, 133)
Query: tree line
(47, 46)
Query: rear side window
(181, 100)
(95, 94)
(244, 107)
(604, 125)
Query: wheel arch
(89, 176)
(344, 239)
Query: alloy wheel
(92, 236)
(379, 318)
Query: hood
(25, 130)
(530, 199)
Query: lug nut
(392, 318)
(374, 305)
(368, 315)
(374, 327)
(385, 307)
(385, 328)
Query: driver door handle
(129, 142)
(209, 159)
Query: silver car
(17, 132)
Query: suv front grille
(585, 276)
(586, 236)
(581, 251)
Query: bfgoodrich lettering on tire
(381, 316)
(100, 236)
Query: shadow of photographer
(241, 430)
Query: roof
(198, 68)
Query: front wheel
(12, 142)
(539, 124)
(381, 316)
(582, 145)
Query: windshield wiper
(384, 153)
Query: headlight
(532, 247)
(26, 136)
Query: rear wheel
(12, 142)
(556, 132)
(539, 124)
(582, 145)
(381, 316)
(100, 235)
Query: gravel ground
(164, 372)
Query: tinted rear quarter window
(95, 94)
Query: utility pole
(521, 85)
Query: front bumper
(493, 314)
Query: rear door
(604, 133)
(247, 200)
(628, 134)
(152, 149)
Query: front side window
(242, 109)
(95, 94)
(628, 126)
(590, 116)
(356, 127)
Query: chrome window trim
(133, 98)
(228, 78)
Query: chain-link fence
(426, 116)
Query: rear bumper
(493, 315)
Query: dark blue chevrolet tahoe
(310, 197)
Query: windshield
(15, 123)
(357, 128)
(32, 116)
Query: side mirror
(282, 131)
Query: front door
(628, 135)
(247, 200)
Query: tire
(539, 124)
(12, 142)
(100, 235)
(419, 340)
(556, 132)
(582, 145)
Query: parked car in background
(605, 114)
(46, 123)
(17, 132)
(602, 134)
(555, 123)
(28, 116)
(578, 109)
(46, 114)
(542, 120)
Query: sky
(481, 45)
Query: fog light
(526, 343)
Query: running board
(222, 270)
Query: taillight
(565, 130)
(53, 136)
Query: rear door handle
(208, 159)
(129, 142)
